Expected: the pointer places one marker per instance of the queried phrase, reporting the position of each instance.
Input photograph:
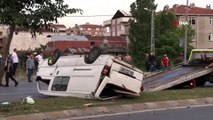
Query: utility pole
(186, 33)
(153, 32)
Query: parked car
(96, 75)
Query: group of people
(12, 62)
(33, 60)
(127, 58)
(151, 63)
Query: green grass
(64, 103)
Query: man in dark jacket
(9, 70)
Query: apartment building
(86, 29)
(201, 20)
(119, 24)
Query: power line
(88, 15)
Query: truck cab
(201, 57)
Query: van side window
(60, 83)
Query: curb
(104, 110)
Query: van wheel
(93, 54)
(53, 59)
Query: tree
(32, 14)
(139, 32)
(169, 36)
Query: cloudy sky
(97, 11)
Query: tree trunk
(5, 51)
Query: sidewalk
(89, 111)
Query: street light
(186, 33)
(152, 30)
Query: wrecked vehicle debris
(95, 75)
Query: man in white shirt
(38, 59)
(15, 60)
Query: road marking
(141, 111)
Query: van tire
(93, 54)
(54, 58)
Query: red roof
(91, 26)
(181, 10)
(110, 38)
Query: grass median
(64, 103)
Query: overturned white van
(81, 76)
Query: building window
(60, 83)
(210, 36)
(89, 29)
(211, 21)
(192, 20)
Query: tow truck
(194, 73)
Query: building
(86, 29)
(82, 43)
(57, 28)
(201, 20)
(23, 39)
(119, 24)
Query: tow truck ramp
(174, 76)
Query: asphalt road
(24, 89)
(190, 113)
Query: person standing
(30, 66)
(151, 62)
(147, 61)
(39, 57)
(15, 60)
(165, 61)
(9, 72)
(128, 58)
(38, 60)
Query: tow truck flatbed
(173, 77)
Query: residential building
(57, 28)
(201, 20)
(86, 29)
(119, 24)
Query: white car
(91, 76)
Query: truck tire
(93, 54)
(54, 58)
(201, 81)
(192, 84)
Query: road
(24, 89)
(184, 113)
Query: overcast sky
(97, 11)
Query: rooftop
(192, 10)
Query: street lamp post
(186, 33)
(153, 32)
(152, 49)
